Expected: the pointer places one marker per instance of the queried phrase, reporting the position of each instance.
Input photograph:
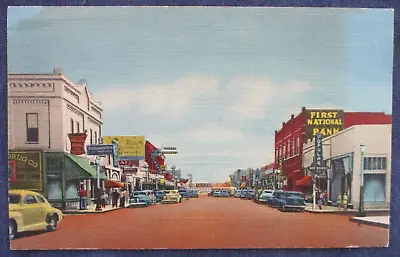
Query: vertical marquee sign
(319, 168)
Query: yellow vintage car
(172, 196)
(30, 211)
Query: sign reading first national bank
(325, 122)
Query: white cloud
(213, 135)
(254, 97)
(170, 100)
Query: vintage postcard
(199, 127)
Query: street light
(173, 174)
(361, 212)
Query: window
(14, 199)
(298, 145)
(29, 199)
(77, 127)
(293, 147)
(32, 128)
(40, 199)
(284, 151)
(72, 126)
(288, 149)
(375, 163)
(95, 137)
(276, 154)
(91, 136)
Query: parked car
(148, 193)
(211, 193)
(277, 198)
(251, 194)
(138, 201)
(159, 195)
(28, 211)
(224, 193)
(193, 194)
(184, 193)
(266, 195)
(293, 201)
(172, 196)
(243, 194)
(217, 193)
(238, 193)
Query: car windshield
(267, 192)
(14, 199)
(139, 193)
(294, 195)
(224, 191)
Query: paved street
(205, 222)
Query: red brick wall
(361, 118)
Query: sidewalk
(90, 209)
(327, 209)
(379, 221)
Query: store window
(54, 187)
(32, 128)
(71, 191)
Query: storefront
(343, 155)
(64, 173)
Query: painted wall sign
(77, 143)
(326, 122)
(27, 169)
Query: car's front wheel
(12, 230)
(52, 223)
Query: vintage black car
(292, 201)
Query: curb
(370, 223)
(89, 212)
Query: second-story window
(72, 126)
(293, 148)
(298, 145)
(32, 128)
(91, 136)
(95, 137)
(77, 127)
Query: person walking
(104, 200)
(325, 198)
(122, 200)
(82, 193)
(345, 200)
(339, 201)
(99, 194)
(115, 197)
(319, 199)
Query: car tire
(52, 223)
(12, 230)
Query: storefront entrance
(341, 177)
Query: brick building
(293, 134)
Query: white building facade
(342, 154)
(42, 110)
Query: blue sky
(214, 82)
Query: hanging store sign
(326, 122)
(25, 169)
(100, 149)
(77, 143)
(128, 163)
(319, 168)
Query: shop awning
(113, 184)
(305, 181)
(82, 166)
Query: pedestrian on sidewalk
(82, 198)
(319, 199)
(325, 198)
(104, 200)
(115, 197)
(339, 201)
(345, 200)
(99, 193)
(122, 201)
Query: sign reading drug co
(28, 170)
(325, 122)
